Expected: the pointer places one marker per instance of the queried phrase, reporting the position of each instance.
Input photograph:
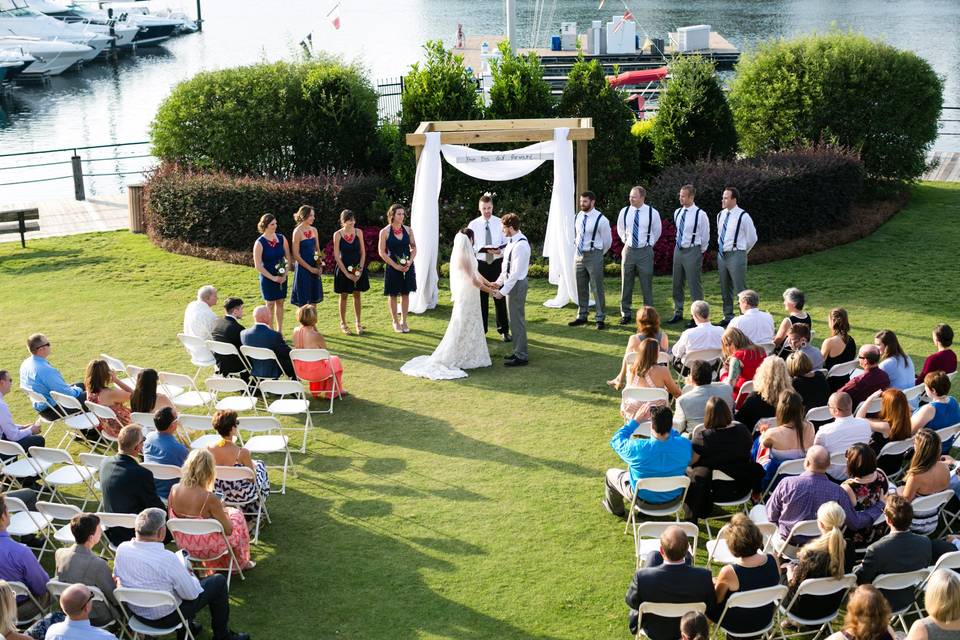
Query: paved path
(70, 217)
(949, 168)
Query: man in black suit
(127, 486)
(227, 329)
(261, 334)
(672, 581)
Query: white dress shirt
(479, 227)
(648, 229)
(756, 325)
(516, 261)
(11, 430)
(840, 435)
(584, 223)
(735, 230)
(198, 321)
(698, 338)
(77, 630)
(147, 565)
(696, 227)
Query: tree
(439, 89)
(518, 90)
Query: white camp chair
(719, 552)
(191, 397)
(646, 538)
(200, 355)
(319, 355)
(285, 406)
(257, 506)
(753, 599)
(658, 485)
(147, 598)
(54, 512)
(64, 472)
(77, 423)
(666, 610)
(239, 403)
(15, 471)
(902, 581)
(227, 349)
(263, 440)
(202, 527)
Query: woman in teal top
(943, 410)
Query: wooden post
(199, 17)
(135, 207)
(77, 177)
(582, 177)
(417, 150)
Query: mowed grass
(463, 509)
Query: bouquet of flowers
(351, 269)
(282, 268)
(317, 255)
(403, 260)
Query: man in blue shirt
(664, 455)
(38, 375)
(17, 563)
(162, 446)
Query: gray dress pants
(732, 267)
(687, 265)
(588, 267)
(635, 263)
(516, 311)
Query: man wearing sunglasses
(38, 375)
(76, 602)
(872, 379)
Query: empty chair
(24, 522)
(120, 369)
(81, 423)
(18, 466)
(64, 472)
(261, 439)
(54, 512)
(293, 401)
(190, 397)
(219, 387)
(200, 355)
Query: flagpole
(511, 8)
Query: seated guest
(263, 336)
(665, 454)
(892, 424)
(226, 453)
(98, 379)
(38, 375)
(872, 379)
(944, 359)
(143, 563)
(754, 323)
(826, 556)
(789, 440)
(18, 564)
(753, 569)
(198, 321)
(320, 373)
(741, 360)
(227, 329)
(793, 302)
(926, 475)
(721, 445)
(894, 361)
(162, 447)
(810, 383)
(865, 485)
(769, 382)
(647, 374)
(648, 326)
(867, 617)
(798, 341)
(26, 435)
(672, 581)
(694, 626)
(126, 486)
(8, 614)
(193, 498)
(77, 604)
(692, 403)
(78, 564)
(844, 432)
(839, 347)
(701, 337)
(796, 498)
(145, 397)
(941, 598)
(942, 410)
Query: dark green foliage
(693, 118)
(841, 88)
(439, 89)
(518, 90)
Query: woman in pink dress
(97, 380)
(306, 336)
(646, 373)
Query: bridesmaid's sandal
(359, 329)
(344, 328)
(397, 327)
(406, 329)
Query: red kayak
(638, 77)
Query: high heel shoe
(359, 329)
(404, 327)
(343, 327)
(397, 327)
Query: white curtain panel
(559, 239)
(425, 222)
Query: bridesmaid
(271, 257)
(350, 276)
(397, 248)
(307, 288)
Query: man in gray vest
(638, 226)
(736, 236)
(593, 240)
(693, 237)
(512, 284)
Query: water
(115, 103)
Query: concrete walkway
(948, 169)
(70, 217)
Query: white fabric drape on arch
(425, 216)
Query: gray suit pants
(687, 265)
(635, 263)
(516, 311)
(588, 267)
(732, 267)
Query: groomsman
(488, 232)
(593, 240)
(693, 237)
(638, 226)
(736, 236)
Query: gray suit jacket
(692, 404)
(899, 552)
(78, 564)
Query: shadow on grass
(48, 260)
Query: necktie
(583, 233)
(683, 218)
(636, 228)
(723, 232)
(488, 240)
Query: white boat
(126, 33)
(18, 19)
(14, 62)
(52, 56)
(184, 24)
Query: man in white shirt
(593, 240)
(488, 232)
(198, 321)
(700, 337)
(754, 323)
(77, 602)
(143, 563)
(693, 238)
(638, 226)
(844, 431)
(736, 236)
(513, 285)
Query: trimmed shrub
(518, 90)
(440, 89)
(693, 118)
(837, 88)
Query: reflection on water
(115, 102)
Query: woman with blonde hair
(926, 475)
(769, 382)
(742, 360)
(320, 373)
(941, 599)
(646, 373)
(825, 556)
(868, 616)
(193, 499)
(648, 326)
(97, 380)
(307, 287)
(8, 614)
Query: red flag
(626, 16)
(334, 16)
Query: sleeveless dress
(849, 353)
(868, 495)
(244, 491)
(397, 283)
(318, 371)
(798, 320)
(750, 578)
(934, 632)
(112, 427)
(749, 363)
(211, 544)
(307, 288)
(350, 256)
(629, 408)
(272, 256)
(946, 414)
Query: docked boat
(51, 56)
(136, 12)
(97, 21)
(18, 19)
(14, 62)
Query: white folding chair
(769, 347)
(932, 503)
(786, 468)
(712, 356)
(64, 472)
(202, 527)
(949, 433)
(80, 423)
(193, 424)
(819, 414)
(285, 406)
(261, 354)
(666, 610)
(149, 599)
(662, 358)
(200, 355)
(227, 349)
(896, 451)
(190, 397)
(646, 538)
(319, 355)
(94, 461)
(36, 398)
(872, 406)
(115, 520)
(745, 390)
(163, 472)
(120, 369)
(753, 599)
(54, 512)
(842, 369)
(264, 441)
(256, 506)
(908, 580)
(104, 412)
(24, 522)
(672, 507)
(20, 589)
(245, 401)
(832, 589)
(644, 394)
(145, 420)
(949, 560)
(55, 588)
(15, 471)
(785, 548)
(741, 502)
(719, 552)
(914, 392)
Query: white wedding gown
(464, 344)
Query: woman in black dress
(398, 249)
(350, 276)
(753, 569)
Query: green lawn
(463, 509)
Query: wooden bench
(25, 219)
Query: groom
(513, 285)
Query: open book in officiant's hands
(491, 249)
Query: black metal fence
(389, 91)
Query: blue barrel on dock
(555, 43)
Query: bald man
(262, 335)
(76, 602)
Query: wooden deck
(948, 169)
(70, 217)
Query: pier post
(77, 177)
(511, 6)
(199, 17)
(582, 177)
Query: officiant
(487, 239)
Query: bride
(464, 345)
